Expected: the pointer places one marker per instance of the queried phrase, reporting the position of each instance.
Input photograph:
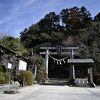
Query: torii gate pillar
(72, 69)
(46, 63)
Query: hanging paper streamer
(59, 61)
(64, 61)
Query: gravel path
(47, 92)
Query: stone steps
(56, 81)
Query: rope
(59, 59)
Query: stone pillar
(35, 70)
(91, 75)
(72, 69)
(47, 61)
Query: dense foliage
(97, 17)
(2, 68)
(72, 27)
(54, 28)
(26, 78)
(13, 44)
(38, 62)
(5, 77)
(2, 79)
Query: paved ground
(47, 92)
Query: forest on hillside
(71, 27)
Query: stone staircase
(56, 81)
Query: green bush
(1, 68)
(2, 78)
(39, 62)
(26, 77)
(7, 76)
(40, 76)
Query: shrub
(40, 76)
(2, 78)
(7, 76)
(1, 68)
(39, 62)
(26, 77)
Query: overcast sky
(15, 15)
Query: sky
(16, 15)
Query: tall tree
(50, 23)
(30, 37)
(75, 18)
(13, 44)
(97, 17)
(49, 29)
(85, 18)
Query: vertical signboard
(9, 66)
(22, 65)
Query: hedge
(26, 78)
(5, 78)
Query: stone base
(92, 85)
(10, 92)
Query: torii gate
(60, 51)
